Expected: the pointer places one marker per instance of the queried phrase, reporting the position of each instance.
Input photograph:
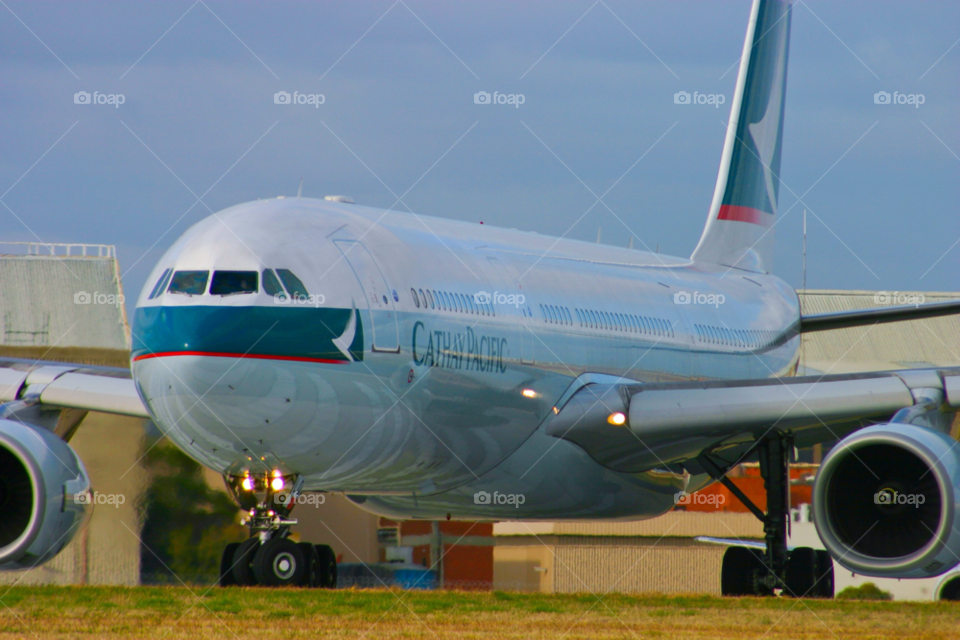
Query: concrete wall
(630, 568)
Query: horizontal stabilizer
(866, 317)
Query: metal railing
(61, 249)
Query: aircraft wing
(672, 424)
(38, 386)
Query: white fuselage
(395, 379)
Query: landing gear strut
(801, 572)
(269, 557)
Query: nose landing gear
(270, 557)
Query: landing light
(277, 484)
(529, 393)
(247, 484)
(617, 419)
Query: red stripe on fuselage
(254, 356)
(745, 214)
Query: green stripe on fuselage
(293, 332)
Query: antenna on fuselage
(300, 190)
(630, 246)
(599, 229)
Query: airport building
(79, 319)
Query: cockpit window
(271, 286)
(161, 284)
(227, 283)
(192, 283)
(293, 284)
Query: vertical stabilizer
(739, 231)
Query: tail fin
(739, 229)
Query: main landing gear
(269, 557)
(802, 572)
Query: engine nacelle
(40, 479)
(886, 502)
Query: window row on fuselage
(454, 302)
(742, 338)
(551, 314)
(607, 320)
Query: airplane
(436, 369)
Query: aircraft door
(378, 295)
(526, 336)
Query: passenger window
(416, 299)
(294, 287)
(271, 286)
(423, 300)
(191, 283)
(228, 283)
(161, 283)
(430, 298)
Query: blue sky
(880, 182)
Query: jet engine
(887, 502)
(44, 495)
